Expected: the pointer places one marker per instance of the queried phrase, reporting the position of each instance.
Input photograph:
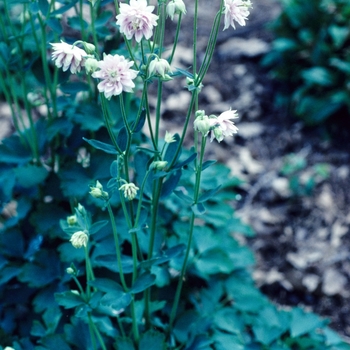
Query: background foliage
(311, 57)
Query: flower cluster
(175, 7)
(68, 57)
(97, 191)
(160, 66)
(136, 20)
(115, 74)
(236, 10)
(218, 127)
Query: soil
(302, 236)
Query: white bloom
(222, 126)
(130, 190)
(68, 57)
(159, 66)
(116, 75)
(169, 138)
(97, 191)
(236, 10)
(79, 239)
(136, 19)
(202, 123)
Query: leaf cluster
(310, 56)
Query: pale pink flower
(136, 19)
(116, 75)
(68, 57)
(236, 10)
(222, 126)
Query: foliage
(310, 57)
(114, 289)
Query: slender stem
(189, 242)
(176, 39)
(97, 332)
(158, 115)
(117, 246)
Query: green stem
(97, 332)
(189, 242)
(176, 39)
(117, 247)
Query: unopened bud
(160, 66)
(202, 123)
(71, 220)
(175, 7)
(159, 164)
(91, 65)
(70, 271)
(97, 191)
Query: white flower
(68, 57)
(136, 19)
(72, 220)
(130, 190)
(236, 10)
(169, 138)
(116, 75)
(175, 7)
(79, 239)
(222, 126)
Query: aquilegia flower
(222, 126)
(68, 57)
(130, 190)
(236, 10)
(116, 75)
(136, 19)
(175, 7)
(79, 239)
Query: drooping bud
(70, 271)
(160, 66)
(79, 239)
(202, 123)
(130, 190)
(89, 48)
(175, 7)
(91, 65)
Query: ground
(301, 218)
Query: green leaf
(72, 88)
(55, 25)
(106, 285)
(75, 181)
(69, 299)
(228, 320)
(55, 341)
(152, 340)
(44, 7)
(103, 18)
(171, 150)
(208, 194)
(214, 261)
(207, 164)
(117, 300)
(122, 138)
(89, 116)
(41, 271)
(75, 23)
(188, 160)
(198, 208)
(303, 322)
(105, 147)
(64, 8)
(170, 183)
(180, 192)
(124, 344)
(143, 282)
(317, 75)
(109, 261)
(97, 226)
(141, 122)
(7, 273)
(13, 151)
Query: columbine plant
(143, 177)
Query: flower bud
(89, 48)
(79, 239)
(159, 164)
(72, 220)
(202, 123)
(91, 65)
(160, 66)
(130, 190)
(70, 271)
(175, 7)
(97, 191)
